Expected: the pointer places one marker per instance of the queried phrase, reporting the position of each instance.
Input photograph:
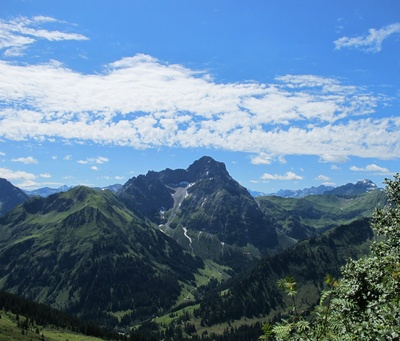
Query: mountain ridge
(163, 240)
(70, 237)
(10, 196)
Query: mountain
(10, 196)
(46, 191)
(305, 217)
(300, 193)
(167, 240)
(257, 194)
(255, 293)
(113, 188)
(84, 252)
(360, 187)
(206, 211)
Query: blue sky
(288, 94)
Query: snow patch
(186, 235)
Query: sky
(288, 94)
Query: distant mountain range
(300, 193)
(46, 191)
(360, 187)
(168, 239)
(363, 186)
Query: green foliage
(364, 304)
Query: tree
(365, 303)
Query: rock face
(205, 210)
(10, 196)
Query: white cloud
(372, 42)
(261, 159)
(17, 34)
(287, 176)
(11, 175)
(68, 157)
(371, 168)
(26, 160)
(323, 178)
(142, 102)
(95, 168)
(282, 159)
(91, 160)
(45, 175)
(334, 158)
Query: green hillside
(235, 309)
(83, 251)
(254, 294)
(10, 329)
(23, 319)
(305, 217)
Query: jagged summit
(362, 186)
(207, 167)
(153, 192)
(203, 208)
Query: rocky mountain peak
(206, 167)
(362, 186)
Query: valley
(179, 253)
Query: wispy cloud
(289, 176)
(372, 42)
(26, 160)
(371, 168)
(91, 160)
(17, 34)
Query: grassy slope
(321, 211)
(10, 331)
(334, 247)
